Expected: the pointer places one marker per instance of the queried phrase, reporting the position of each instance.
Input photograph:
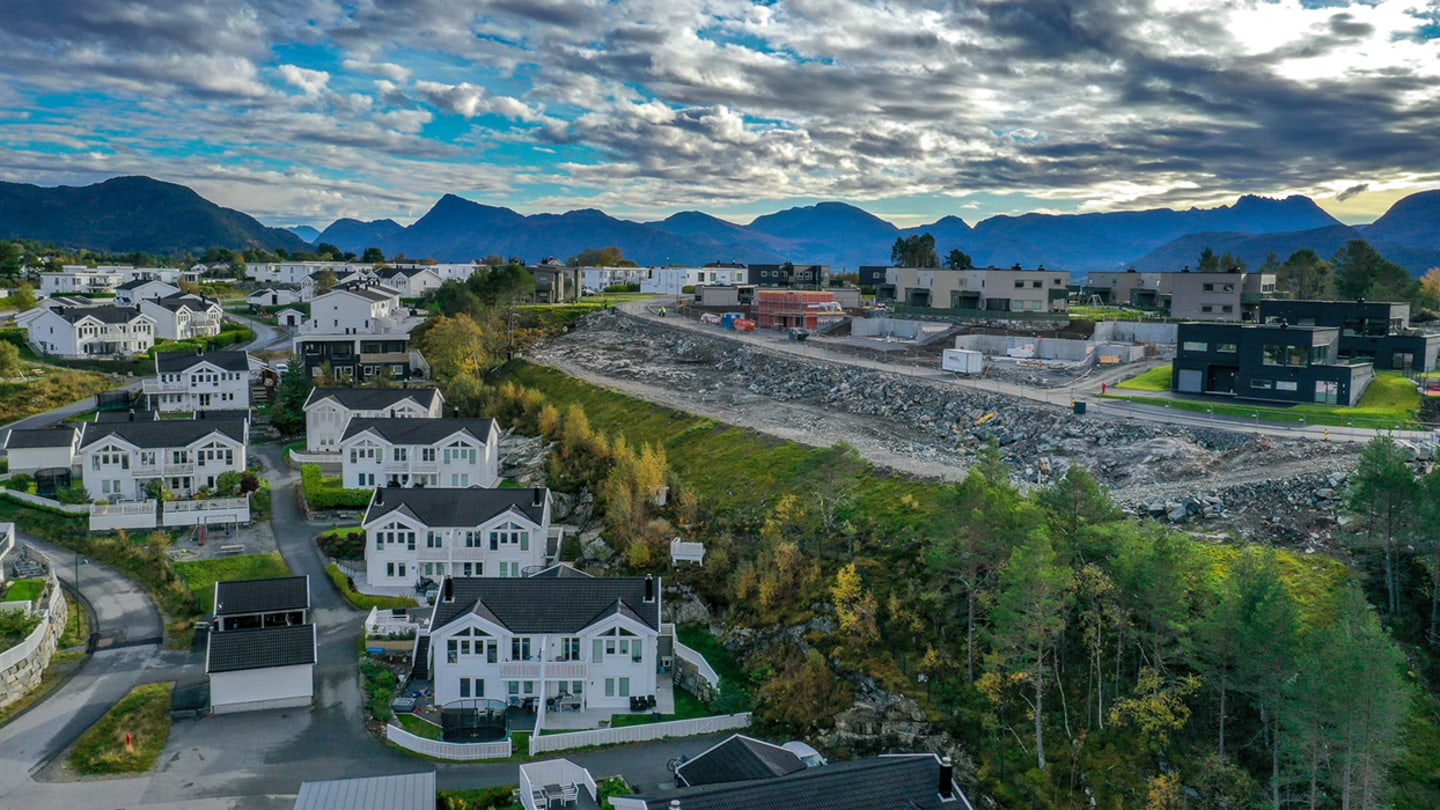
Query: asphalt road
(267, 337)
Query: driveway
(267, 337)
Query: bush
(73, 494)
(379, 685)
(347, 545)
(320, 496)
(492, 798)
(20, 482)
(363, 601)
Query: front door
(1221, 380)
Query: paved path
(54, 416)
(267, 337)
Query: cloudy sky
(302, 111)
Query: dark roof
(140, 415)
(238, 597)
(407, 272)
(184, 301)
(372, 292)
(562, 570)
(738, 759)
(170, 362)
(909, 782)
(455, 507)
(21, 438)
(140, 282)
(420, 431)
(406, 791)
(102, 314)
(261, 648)
(164, 432)
(373, 399)
(546, 604)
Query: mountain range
(137, 213)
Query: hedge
(320, 496)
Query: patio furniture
(570, 794)
(539, 797)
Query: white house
(270, 297)
(131, 293)
(181, 317)
(359, 310)
(295, 273)
(409, 280)
(598, 278)
(343, 276)
(591, 640)
(90, 332)
(329, 410)
(261, 647)
(118, 458)
(81, 279)
(674, 280)
(289, 317)
(203, 381)
(403, 452)
(30, 451)
(433, 533)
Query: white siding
(257, 689)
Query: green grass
(1389, 403)
(687, 707)
(50, 390)
(364, 601)
(200, 576)
(419, 726)
(145, 715)
(325, 492)
(491, 798)
(1156, 379)
(24, 590)
(698, 638)
(77, 626)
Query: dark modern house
(1276, 362)
(795, 276)
(1377, 331)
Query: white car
(806, 753)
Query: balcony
(530, 670)
(163, 470)
(154, 386)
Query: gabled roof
(175, 303)
(238, 597)
(141, 282)
(368, 292)
(171, 362)
(261, 648)
(908, 782)
(546, 604)
(420, 431)
(25, 439)
(406, 791)
(165, 432)
(737, 759)
(456, 507)
(407, 272)
(562, 569)
(373, 399)
(107, 314)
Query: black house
(1274, 362)
(793, 276)
(1378, 331)
(355, 357)
(872, 275)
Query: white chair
(539, 798)
(570, 793)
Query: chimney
(674, 804)
(947, 779)
(380, 497)
(199, 414)
(449, 594)
(537, 497)
(649, 589)
(455, 411)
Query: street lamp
(79, 561)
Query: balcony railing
(162, 470)
(553, 669)
(153, 386)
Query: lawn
(1156, 379)
(419, 726)
(24, 590)
(200, 576)
(687, 707)
(491, 798)
(364, 601)
(50, 390)
(145, 715)
(1389, 403)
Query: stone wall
(22, 666)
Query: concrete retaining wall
(894, 327)
(1135, 332)
(22, 666)
(1045, 348)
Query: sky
(305, 111)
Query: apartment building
(435, 533)
(199, 381)
(400, 452)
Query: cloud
(1352, 191)
(468, 100)
(311, 82)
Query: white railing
(72, 508)
(219, 510)
(53, 607)
(164, 470)
(446, 750)
(104, 517)
(150, 385)
(207, 505)
(552, 772)
(695, 659)
(552, 669)
(682, 551)
(642, 733)
(133, 508)
(387, 623)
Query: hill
(1254, 248)
(305, 232)
(354, 235)
(1413, 221)
(127, 214)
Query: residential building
(737, 758)
(183, 317)
(400, 452)
(273, 297)
(555, 283)
(81, 279)
(329, 410)
(1229, 296)
(295, 273)
(1267, 362)
(734, 296)
(1378, 331)
(261, 649)
(311, 286)
(131, 293)
(982, 289)
(674, 280)
(799, 276)
(360, 357)
(595, 640)
(599, 279)
(92, 332)
(434, 533)
(30, 451)
(406, 791)
(368, 309)
(872, 275)
(291, 318)
(411, 281)
(805, 309)
(118, 458)
(886, 782)
(199, 381)
(1129, 288)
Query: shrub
(349, 545)
(492, 798)
(73, 494)
(321, 496)
(20, 482)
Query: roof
(23, 439)
(455, 507)
(373, 399)
(407, 272)
(562, 569)
(238, 597)
(406, 791)
(420, 431)
(737, 759)
(170, 362)
(907, 782)
(141, 282)
(181, 301)
(164, 432)
(546, 604)
(371, 292)
(261, 648)
(102, 314)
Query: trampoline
(475, 720)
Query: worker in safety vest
(662, 312)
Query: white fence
(561, 772)
(72, 508)
(641, 733)
(445, 750)
(54, 606)
(211, 510)
(108, 516)
(388, 623)
(695, 659)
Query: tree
(373, 255)
(1361, 272)
(1209, 262)
(1156, 572)
(599, 257)
(24, 297)
(1430, 547)
(1306, 275)
(1383, 493)
(288, 414)
(1229, 261)
(917, 250)
(326, 281)
(327, 251)
(10, 363)
(12, 259)
(455, 346)
(958, 260)
(856, 608)
(1429, 292)
(1075, 502)
(1031, 603)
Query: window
(427, 454)
(520, 648)
(512, 687)
(1225, 348)
(1273, 354)
(401, 453)
(1227, 308)
(1035, 285)
(464, 687)
(1286, 385)
(1196, 346)
(433, 539)
(1019, 283)
(1264, 385)
(624, 687)
(569, 649)
(472, 539)
(1207, 308)
(1208, 287)
(609, 687)
(509, 534)
(459, 479)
